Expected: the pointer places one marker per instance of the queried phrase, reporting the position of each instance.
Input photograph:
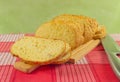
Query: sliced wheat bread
(38, 50)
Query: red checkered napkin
(94, 67)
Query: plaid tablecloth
(94, 67)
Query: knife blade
(112, 49)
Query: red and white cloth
(94, 67)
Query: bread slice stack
(41, 51)
(76, 55)
(62, 39)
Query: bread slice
(74, 22)
(57, 30)
(65, 57)
(38, 50)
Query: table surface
(94, 67)
(25, 16)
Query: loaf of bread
(38, 50)
(65, 37)
(73, 29)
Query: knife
(112, 50)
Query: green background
(25, 16)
